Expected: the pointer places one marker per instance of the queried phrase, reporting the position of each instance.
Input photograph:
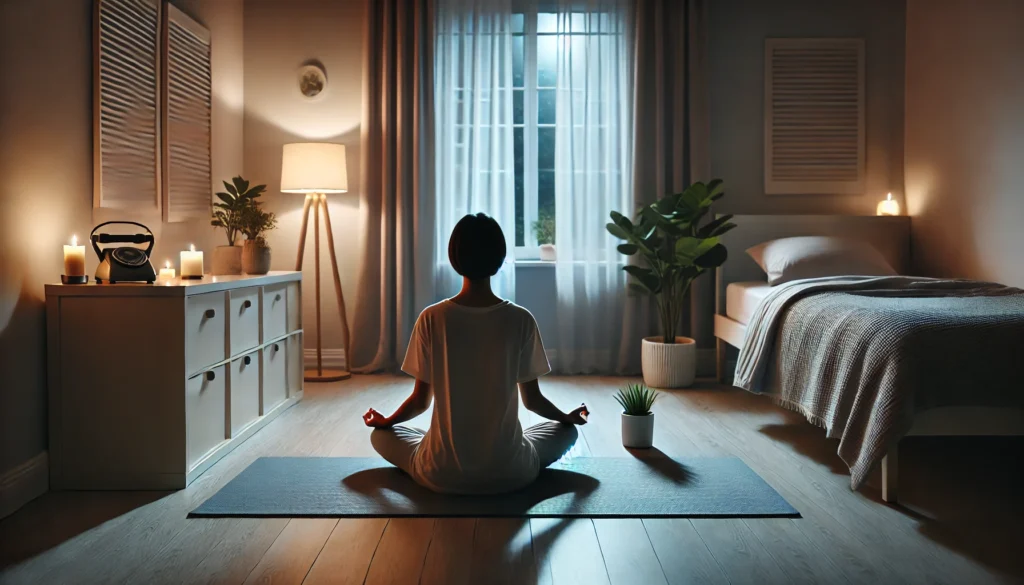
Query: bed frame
(891, 237)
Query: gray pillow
(789, 259)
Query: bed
(868, 414)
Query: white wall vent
(814, 116)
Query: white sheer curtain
(473, 129)
(593, 176)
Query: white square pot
(637, 431)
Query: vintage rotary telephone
(123, 263)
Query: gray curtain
(398, 181)
(670, 148)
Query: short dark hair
(476, 248)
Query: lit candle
(888, 207)
(191, 263)
(166, 273)
(74, 258)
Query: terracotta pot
(547, 252)
(668, 365)
(255, 258)
(227, 260)
(637, 431)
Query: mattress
(742, 299)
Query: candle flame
(192, 247)
(74, 240)
(167, 264)
(888, 197)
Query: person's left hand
(375, 420)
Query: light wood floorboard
(958, 521)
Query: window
(533, 103)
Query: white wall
(46, 181)
(965, 137)
(279, 38)
(736, 33)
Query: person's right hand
(578, 416)
(376, 420)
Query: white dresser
(149, 385)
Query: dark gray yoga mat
(605, 487)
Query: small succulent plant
(636, 399)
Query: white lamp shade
(313, 167)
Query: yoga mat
(594, 487)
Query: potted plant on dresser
(228, 214)
(637, 419)
(675, 250)
(255, 223)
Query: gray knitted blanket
(859, 356)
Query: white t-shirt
(473, 357)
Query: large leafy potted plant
(675, 249)
(228, 214)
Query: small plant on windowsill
(255, 223)
(544, 229)
(637, 419)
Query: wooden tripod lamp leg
(345, 333)
(321, 374)
(302, 231)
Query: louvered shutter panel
(814, 116)
(187, 118)
(126, 132)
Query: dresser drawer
(244, 389)
(275, 311)
(275, 375)
(205, 405)
(204, 331)
(244, 319)
(294, 370)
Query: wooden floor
(960, 521)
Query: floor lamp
(316, 169)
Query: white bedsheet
(742, 299)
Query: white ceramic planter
(255, 259)
(637, 431)
(227, 260)
(547, 252)
(668, 365)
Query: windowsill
(535, 263)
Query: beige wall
(736, 33)
(279, 38)
(46, 181)
(965, 137)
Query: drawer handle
(210, 313)
(210, 376)
(277, 297)
(276, 347)
(246, 304)
(247, 360)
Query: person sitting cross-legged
(469, 353)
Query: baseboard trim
(332, 358)
(24, 483)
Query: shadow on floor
(662, 464)
(396, 494)
(57, 517)
(964, 492)
(808, 440)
